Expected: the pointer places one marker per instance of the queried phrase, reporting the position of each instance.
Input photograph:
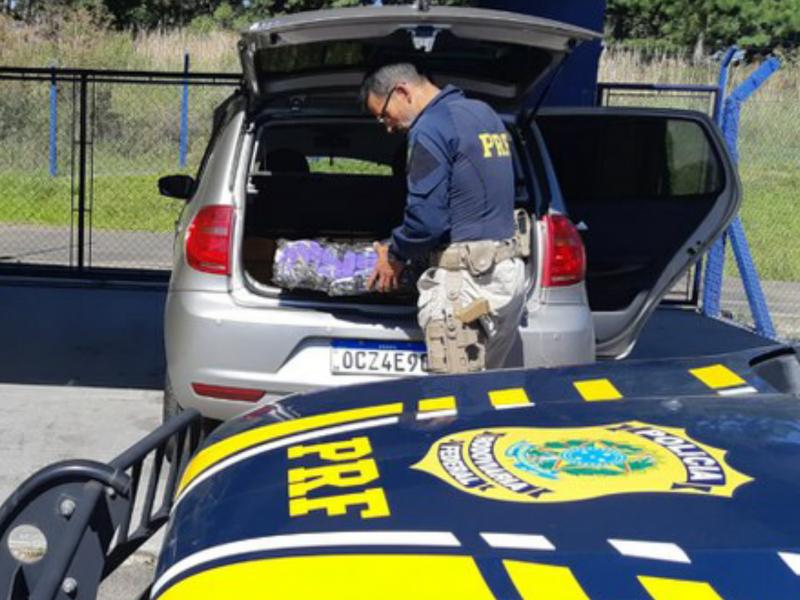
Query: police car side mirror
(176, 186)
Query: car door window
(651, 190)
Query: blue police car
(662, 479)
(665, 480)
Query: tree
(759, 25)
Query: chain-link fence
(82, 151)
(769, 166)
(80, 157)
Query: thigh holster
(457, 342)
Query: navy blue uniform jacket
(460, 177)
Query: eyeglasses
(382, 115)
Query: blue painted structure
(728, 118)
(184, 132)
(53, 124)
(577, 82)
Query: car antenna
(549, 85)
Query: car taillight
(208, 240)
(227, 393)
(564, 254)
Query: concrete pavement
(44, 424)
(47, 245)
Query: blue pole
(184, 133)
(722, 82)
(715, 260)
(53, 123)
(711, 300)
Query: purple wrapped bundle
(338, 269)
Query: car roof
(627, 477)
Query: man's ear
(403, 90)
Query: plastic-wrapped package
(335, 268)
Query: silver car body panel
(213, 340)
(215, 186)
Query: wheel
(170, 407)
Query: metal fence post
(715, 260)
(741, 249)
(184, 132)
(729, 121)
(82, 143)
(53, 123)
(722, 81)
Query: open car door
(649, 190)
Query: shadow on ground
(84, 334)
(111, 335)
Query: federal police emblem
(558, 465)
(579, 458)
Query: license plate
(378, 358)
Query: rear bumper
(212, 340)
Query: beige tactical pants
(503, 286)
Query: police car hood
(658, 479)
(494, 55)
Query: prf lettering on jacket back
(346, 465)
(495, 144)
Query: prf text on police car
(459, 216)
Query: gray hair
(381, 81)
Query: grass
(770, 217)
(121, 202)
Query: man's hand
(386, 276)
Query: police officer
(459, 215)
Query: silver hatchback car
(292, 156)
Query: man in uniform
(459, 214)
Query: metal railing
(69, 525)
(81, 153)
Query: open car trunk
(314, 63)
(494, 55)
(649, 190)
(324, 207)
(329, 180)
